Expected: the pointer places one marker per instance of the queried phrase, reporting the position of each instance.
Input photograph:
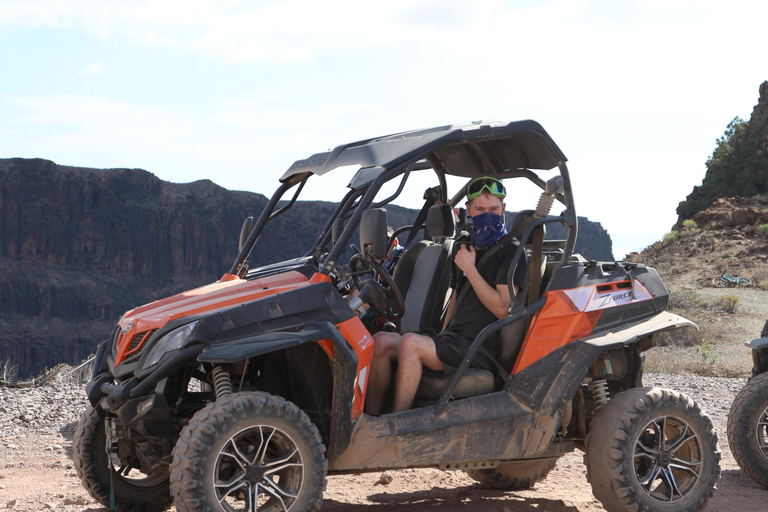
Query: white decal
(365, 342)
(361, 379)
(589, 299)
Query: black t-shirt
(471, 316)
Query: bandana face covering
(487, 229)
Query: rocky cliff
(739, 164)
(78, 247)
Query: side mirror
(245, 231)
(336, 229)
(373, 233)
(555, 185)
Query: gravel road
(36, 472)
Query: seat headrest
(522, 219)
(440, 222)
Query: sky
(634, 92)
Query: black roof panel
(469, 149)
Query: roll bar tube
(480, 340)
(257, 229)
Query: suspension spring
(221, 382)
(545, 205)
(600, 393)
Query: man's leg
(385, 348)
(415, 350)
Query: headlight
(174, 340)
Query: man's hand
(465, 258)
(495, 299)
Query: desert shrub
(688, 304)
(760, 280)
(707, 355)
(727, 303)
(672, 236)
(762, 230)
(689, 224)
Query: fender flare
(661, 322)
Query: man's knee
(413, 345)
(386, 344)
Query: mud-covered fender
(759, 354)
(661, 322)
(549, 383)
(757, 344)
(251, 346)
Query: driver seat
(428, 265)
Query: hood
(139, 324)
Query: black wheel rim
(258, 468)
(761, 433)
(134, 476)
(668, 457)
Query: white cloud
(93, 71)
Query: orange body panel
(569, 315)
(362, 342)
(557, 324)
(227, 292)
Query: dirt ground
(36, 472)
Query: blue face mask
(487, 229)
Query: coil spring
(221, 382)
(600, 392)
(545, 205)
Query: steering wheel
(379, 297)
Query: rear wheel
(514, 476)
(748, 429)
(249, 451)
(744, 281)
(652, 450)
(133, 490)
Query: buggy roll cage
(468, 150)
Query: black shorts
(452, 349)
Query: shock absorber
(221, 382)
(600, 392)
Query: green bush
(672, 236)
(762, 230)
(689, 224)
(727, 303)
(706, 352)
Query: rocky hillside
(730, 237)
(78, 247)
(739, 164)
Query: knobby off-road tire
(514, 476)
(148, 494)
(249, 451)
(748, 429)
(652, 450)
(719, 282)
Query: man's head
(485, 195)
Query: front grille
(138, 341)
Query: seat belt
(467, 285)
(431, 196)
(534, 285)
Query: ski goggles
(492, 185)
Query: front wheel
(133, 490)
(514, 476)
(748, 429)
(720, 282)
(249, 451)
(652, 449)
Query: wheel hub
(254, 473)
(664, 458)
